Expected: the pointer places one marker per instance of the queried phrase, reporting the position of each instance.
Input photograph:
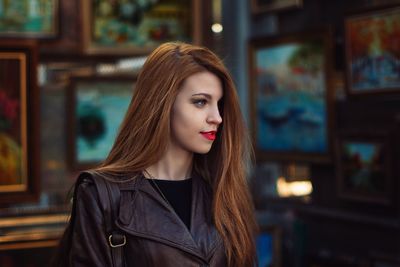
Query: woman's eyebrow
(203, 94)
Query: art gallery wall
(328, 227)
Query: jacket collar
(146, 214)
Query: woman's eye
(200, 102)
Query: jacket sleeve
(89, 242)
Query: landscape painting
(289, 99)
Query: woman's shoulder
(108, 176)
(91, 187)
(98, 182)
(86, 185)
(92, 177)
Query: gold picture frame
(19, 122)
(107, 30)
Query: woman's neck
(173, 165)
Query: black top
(179, 195)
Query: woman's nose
(214, 116)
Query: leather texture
(155, 234)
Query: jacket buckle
(110, 241)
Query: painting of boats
(290, 98)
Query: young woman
(180, 161)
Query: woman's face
(195, 115)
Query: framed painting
(364, 170)
(29, 231)
(137, 27)
(373, 52)
(97, 106)
(268, 245)
(29, 18)
(19, 122)
(259, 6)
(290, 97)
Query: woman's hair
(142, 141)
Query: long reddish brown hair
(141, 141)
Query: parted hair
(141, 141)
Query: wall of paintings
(319, 81)
(67, 70)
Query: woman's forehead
(203, 83)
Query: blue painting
(100, 108)
(291, 98)
(265, 250)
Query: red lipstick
(209, 135)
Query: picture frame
(261, 6)
(33, 19)
(268, 246)
(29, 239)
(291, 99)
(29, 231)
(372, 55)
(121, 27)
(19, 122)
(96, 108)
(364, 167)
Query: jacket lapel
(201, 224)
(144, 213)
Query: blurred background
(319, 86)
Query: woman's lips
(209, 135)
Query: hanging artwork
(137, 27)
(97, 107)
(19, 126)
(290, 98)
(364, 168)
(29, 18)
(373, 52)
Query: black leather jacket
(155, 234)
